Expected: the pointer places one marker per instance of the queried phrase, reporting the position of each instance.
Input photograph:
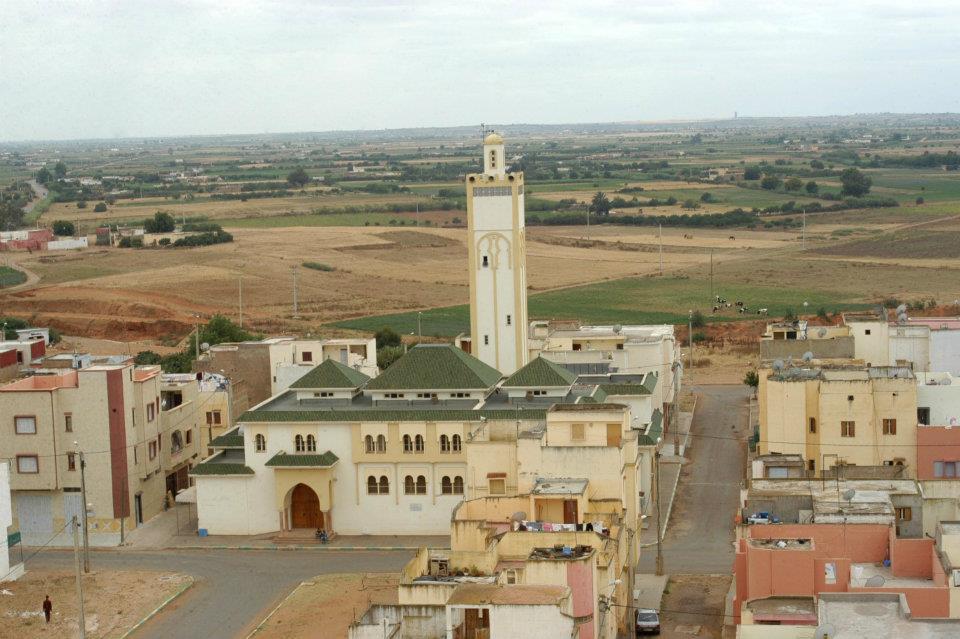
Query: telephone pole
(240, 283)
(295, 308)
(711, 275)
(83, 496)
(661, 247)
(656, 481)
(76, 553)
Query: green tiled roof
(654, 430)
(304, 460)
(331, 374)
(645, 388)
(599, 395)
(388, 415)
(435, 366)
(539, 373)
(221, 469)
(230, 439)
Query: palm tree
(600, 204)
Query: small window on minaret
(508, 320)
(493, 159)
(486, 261)
(486, 340)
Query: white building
(928, 343)
(497, 261)
(6, 520)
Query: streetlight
(86, 506)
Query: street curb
(282, 548)
(276, 608)
(185, 587)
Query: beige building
(139, 433)
(840, 416)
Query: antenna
(849, 493)
(826, 631)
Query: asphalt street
(234, 589)
(699, 539)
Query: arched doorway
(305, 508)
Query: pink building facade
(938, 452)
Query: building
(938, 429)
(139, 432)
(797, 339)
(840, 416)
(497, 261)
(6, 520)
(925, 343)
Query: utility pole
(803, 232)
(711, 275)
(83, 496)
(661, 248)
(76, 553)
(240, 282)
(419, 326)
(295, 309)
(690, 338)
(196, 321)
(656, 481)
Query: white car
(647, 621)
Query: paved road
(234, 588)
(699, 539)
(39, 190)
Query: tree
(697, 320)
(770, 182)
(388, 355)
(82, 204)
(816, 164)
(855, 183)
(64, 228)
(793, 184)
(751, 173)
(919, 200)
(162, 222)
(60, 170)
(600, 204)
(812, 187)
(44, 176)
(298, 177)
(147, 358)
(386, 336)
(101, 207)
(751, 379)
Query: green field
(327, 219)
(11, 277)
(626, 301)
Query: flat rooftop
(516, 595)
(879, 615)
(559, 486)
(784, 609)
(874, 576)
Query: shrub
(164, 241)
(82, 204)
(319, 266)
(64, 228)
(388, 355)
(699, 337)
(919, 200)
(101, 207)
(770, 182)
(204, 239)
(751, 379)
(161, 222)
(386, 336)
(751, 173)
(697, 320)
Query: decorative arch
(496, 245)
(305, 508)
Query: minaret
(497, 260)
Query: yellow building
(850, 416)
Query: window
(408, 486)
(576, 432)
(176, 442)
(486, 261)
(418, 444)
(213, 418)
(71, 461)
(68, 422)
(381, 444)
(511, 576)
(458, 485)
(866, 332)
(446, 486)
(923, 416)
(151, 412)
(307, 356)
(323, 394)
(384, 485)
(372, 485)
(493, 159)
(378, 488)
(393, 395)
(830, 573)
(260, 443)
(25, 425)
(486, 340)
(848, 429)
(368, 443)
(945, 469)
(444, 444)
(28, 464)
(421, 485)
(813, 424)
(509, 322)
(189, 437)
(889, 427)
(152, 449)
(298, 443)
(498, 486)
(849, 398)
(426, 395)
(812, 465)
(457, 443)
(311, 444)
(136, 459)
(407, 444)
(904, 513)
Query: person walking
(47, 608)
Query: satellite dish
(849, 494)
(826, 631)
(821, 332)
(808, 356)
(901, 309)
(778, 365)
(204, 347)
(617, 328)
(951, 423)
(790, 360)
(875, 581)
(518, 516)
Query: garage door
(72, 505)
(35, 513)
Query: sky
(134, 68)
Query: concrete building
(782, 340)
(497, 261)
(7, 573)
(925, 343)
(846, 415)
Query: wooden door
(569, 511)
(305, 508)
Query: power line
(38, 550)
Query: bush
(697, 320)
(770, 182)
(298, 177)
(204, 239)
(751, 379)
(319, 266)
(890, 302)
(101, 207)
(161, 222)
(82, 204)
(388, 355)
(690, 204)
(822, 313)
(699, 337)
(201, 227)
(64, 228)
(386, 336)
(164, 241)
(146, 358)
(919, 200)
(130, 242)
(751, 173)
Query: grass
(328, 219)
(11, 277)
(624, 301)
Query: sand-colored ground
(113, 602)
(324, 607)
(698, 238)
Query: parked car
(648, 621)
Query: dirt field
(693, 606)
(113, 602)
(324, 607)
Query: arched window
(418, 443)
(368, 443)
(381, 444)
(407, 444)
(446, 487)
(458, 485)
(384, 485)
(457, 443)
(408, 486)
(444, 444)
(371, 485)
(311, 444)
(176, 442)
(421, 485)
(298, 443)
(260, 443)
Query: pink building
(938, 452)
(787, 562)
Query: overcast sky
(87, 69)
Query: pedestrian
(47, 608)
